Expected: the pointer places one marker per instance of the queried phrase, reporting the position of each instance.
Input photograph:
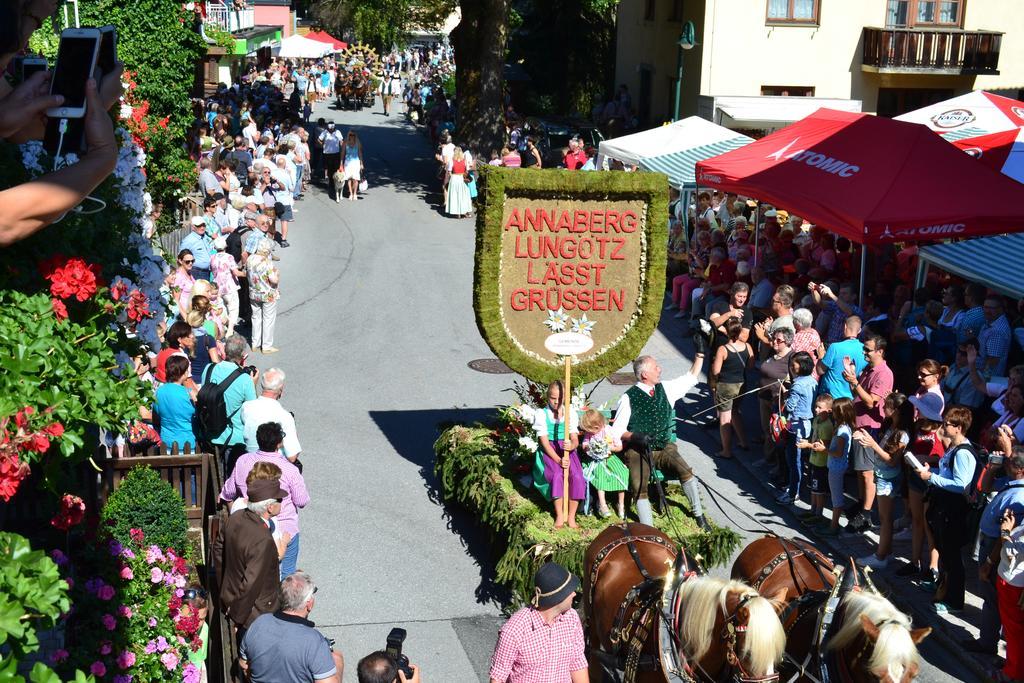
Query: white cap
(198, 220)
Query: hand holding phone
(23, 114)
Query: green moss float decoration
(474, 472)
(637, 270)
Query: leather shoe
(702, 523)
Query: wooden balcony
(931, 51)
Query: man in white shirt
(267, 408)
(647, 412)
(331, 141)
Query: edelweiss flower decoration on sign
(557, 321)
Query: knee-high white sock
(693, 494)
(643, 512)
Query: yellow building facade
(886, 56)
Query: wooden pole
(567, 411)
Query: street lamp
(687, 39)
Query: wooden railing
(940, 51)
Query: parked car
(553, 135)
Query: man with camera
(285, 647)
(381, 667)
(1004, 474)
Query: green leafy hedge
(145, 501)
(473, 473)
(33, 596)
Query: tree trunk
(479, 42)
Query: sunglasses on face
(189, 262)
(922, 375)
(193, 593)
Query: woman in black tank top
(728, 371)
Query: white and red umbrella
(972, 115)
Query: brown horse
(867, 640)
(633, 575)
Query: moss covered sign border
(645, 193)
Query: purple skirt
(553, 475)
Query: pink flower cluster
(134, 619)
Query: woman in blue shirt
(174, 409)
(947, 503)
(799, 412)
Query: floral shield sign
(569, 251)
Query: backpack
(211, 410)
(975, 498)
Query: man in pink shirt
(869, 391)
(269, 437)
(543, 643)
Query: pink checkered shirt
(531, 651)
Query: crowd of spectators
(902, 411)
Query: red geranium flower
(55, 430)
(136, 535)
(138, 306)
(60, 311)
(12, 472)
(38, 442)
(75, 279)
(72, 511)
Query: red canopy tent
(871, 179)
(323, 37)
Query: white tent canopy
(303, 48)
(673, 149)
(766, 112)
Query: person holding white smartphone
(29, 207)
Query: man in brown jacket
(246, 558)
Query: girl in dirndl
(557, 453)
(604, 471)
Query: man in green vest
(647, 408)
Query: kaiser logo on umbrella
(953, 118)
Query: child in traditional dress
(604, 470)
(557, 452)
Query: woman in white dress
(458, 202)
(352, 155)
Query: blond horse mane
(894, 650)
(703, 598)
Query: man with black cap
(245, 555)
(543, 643)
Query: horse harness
(628, 635)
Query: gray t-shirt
(208, 182)
(283, 648)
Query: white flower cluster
(30, 153)
(149, 267)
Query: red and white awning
(969, 116)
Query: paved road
(375, 330)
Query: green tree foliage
(33, 596)
(568, 48)
(145, 501)
(382, 23)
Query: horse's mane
(704, 597)
(895, 650)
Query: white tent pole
(863, 263)
(757, 231)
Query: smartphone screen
(108, 50)
(30, 67)
(74, 68)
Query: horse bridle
(642, 597)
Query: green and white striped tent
(993, 261)
(674, 149)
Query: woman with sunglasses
(774, 371)
(183, 281)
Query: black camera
(394, 648)
(251, 369)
